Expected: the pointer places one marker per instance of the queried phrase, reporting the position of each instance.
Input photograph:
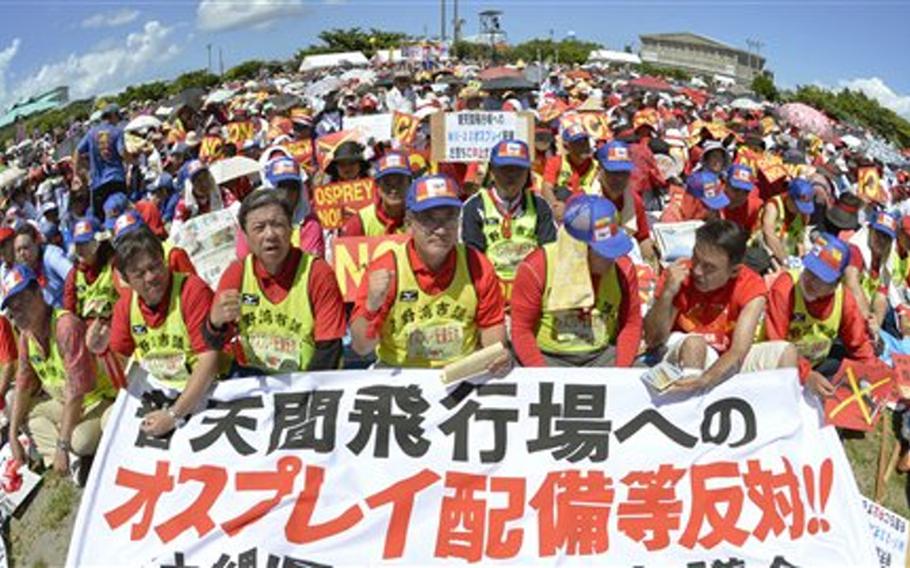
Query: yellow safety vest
(813, 337)
(165, 352)
(372, 226)
(506, 253)
(792, 234)
(585, 182)
(277, 338)
(580, 330)
(51, 369)
(98, 298)
(900, 267)
(429, 331)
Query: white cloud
(875, 88)
(219, 15)
(103, 69)
(6, 57)
(111, 19)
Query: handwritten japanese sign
(387, 466)
(331, 202)
(890, 532)
(470, 135)
(352, 255)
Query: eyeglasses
(430, 223)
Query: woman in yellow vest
(877, 277)
(52, 353)
(386, 215)
(576, 170)
(508, 221)
(163, 324)
(431, 301)
(283, 305)
(813, 310)
(784, 221)
(90, 291)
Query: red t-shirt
(195, 304)
(746, 215)
(326, 303)
(527, 298)
(490, 302)
(643, 231)
(152, 217)
(554, 165)
(714, 314)
(179, 261)
(853, 331)
(353, 227)
(8, 350)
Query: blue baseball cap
(195, 167)
(828, 258)
(127, 223)
(393, 163)
(430, 192)
(594, 220)
(739, 177)
(282, 169)
(15, 281)
(614, 157)
(116, 203)
(705, 185)
(575, 132)
(85, 229)
(803, 195)
(510, 153)
(886, 223)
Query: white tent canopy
(610, 56)
(324, 60)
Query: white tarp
(324, 60)
(577, 468)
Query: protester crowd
(553, 249)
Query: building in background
(25, 108)
(702, 55)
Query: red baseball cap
(6, 233)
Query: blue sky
(100, 46)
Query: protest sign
(16, 481)
(596, 123)
(210, 240)
(331, 201)
(861, 391)
(890, 532)
(582, 467)
(404, 127)
(470, 135)
(352, 255)
(870, 184)
(375, 126)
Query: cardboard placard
(469, 136)
(332, 201)
(352, 255)
(372, 126)
(404, 128)
(890, 532)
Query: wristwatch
(63, 445)
(178, 422)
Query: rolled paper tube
(472, 365)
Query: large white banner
(578, 467)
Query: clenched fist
(225, 308)
(378, 288)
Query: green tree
(145, 92)
(763, 86)
(670, 72)
(355, 39)
(201, 78)
(568, 51)
(245, 71)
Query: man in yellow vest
(575, 171)
(163, 324)
(603, 328)
(507, 221)
(52, 353)
(284, 305)
(386, 215)
(812, 309)
(431, 301)
(784, 221)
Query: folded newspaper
(675, 240)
